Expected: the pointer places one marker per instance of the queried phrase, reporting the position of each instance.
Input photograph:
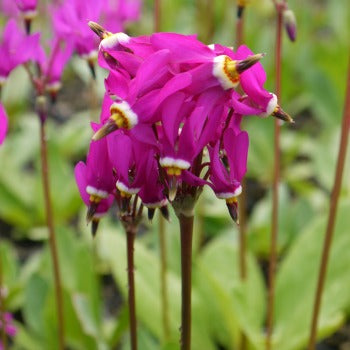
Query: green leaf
(112, 247)
(235, 305)
(296, 283)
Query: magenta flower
(228, 166)
(61, 51)
(208, 68)
(116, 13)
(27, 6)
(28, 10)
(95, 180)
(137, 100)
(16, 48)
(3, 124)
(70, 22)
(152, 190)
(252, 82)
(9, 327)
(128, 164)
(168, 99)
(9, 8)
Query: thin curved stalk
(186, 232)
(2, 309)
(163, 279)
(157, 15)
(332, 215)
(130, 239)
(276, 179)
(52, 234)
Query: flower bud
(290, 24)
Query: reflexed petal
(120, 153)
(236, 147)
(80, 178)
(171, 116)
(183, 48)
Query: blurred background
(94, 271)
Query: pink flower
(152, 190)
(70, 22)
(137, 100)
(16, 48)
(95, 180)
(3, 124)
(228, 166)
(61, 51)
(116, 13)
(9, 327)
(28, 10)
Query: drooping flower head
(60, 53)
(169, 98)
(16, 48)
(95, 180)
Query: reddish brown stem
(157, 15)
(332, 215)
(130, 238)
(276, 179)
(240, 28)
(163, 281)
(2, 309)
(52, 235)
(186, 232)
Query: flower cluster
(170, 121)
(69, 34)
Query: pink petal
(183, 48)
(3, 124)
(80, 178)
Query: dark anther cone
(28, 25)
(150, 213)
(165, 212)
(233, 210)
(240, 10)
(106, 129)
(97, 29)
(243, 65)
(94, 227)
(92, 69)
(91, 212)
(281, 114)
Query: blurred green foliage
(313, 88)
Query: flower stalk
(241, 4)
(2, 309)
(130, 239)
(52, 234)
(186, 234)
(157, 15)
(163, 279)
(344, 138)
(162, 223)
(276, 179)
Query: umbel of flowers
(169, 99)
(169, 125)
